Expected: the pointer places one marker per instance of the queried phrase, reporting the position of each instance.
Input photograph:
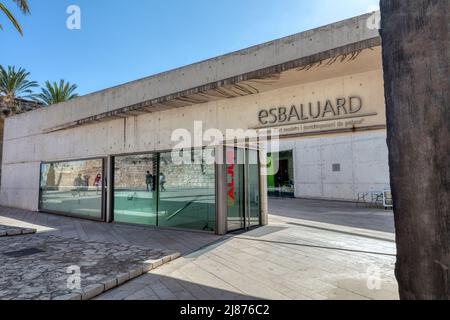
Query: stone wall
(130, 172)
(62, 175)
(189, 176)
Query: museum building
(108, 156)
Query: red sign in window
(231, 174)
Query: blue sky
(121, 41)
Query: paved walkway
(286, 260)
(289, 259)
(181, 241)
(334, 212)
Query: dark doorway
(281, 181)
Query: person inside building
(86, 179)
(78, 183)
(162, 181)
(149, 181)
(98, 182)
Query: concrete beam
(185, 96)
(268, 58)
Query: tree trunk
(416, 59)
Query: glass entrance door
(235, 189)
(243, 188)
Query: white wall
(363, 158)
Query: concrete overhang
(327, 50)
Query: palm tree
(13, 86)
(416, 59)
(53, 93)
(23, 6)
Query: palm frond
(11, 18)
(53, 93)
(15, 84)
(23, 6)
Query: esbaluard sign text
(339, 113)
(304, 112)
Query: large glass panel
(235, 191)
(187, 191)
(135, 193)
(253, 187)
(73, 187)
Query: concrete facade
(335, 61)
(363, 160)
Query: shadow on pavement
(333, 212)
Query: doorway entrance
(243, 188)
(280, 180)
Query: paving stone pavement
(7, 231)
(43, 274)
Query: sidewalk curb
(94, 290)
(16, 232)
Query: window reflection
(73, 187)
(135, 189)
(187, 193)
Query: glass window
(135, 189)
(187, 191)
(73, 187)
(253, 187)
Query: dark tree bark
(416, 59)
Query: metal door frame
(222, 189)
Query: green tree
(23, 6)
(54, 93)
(14, 85)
